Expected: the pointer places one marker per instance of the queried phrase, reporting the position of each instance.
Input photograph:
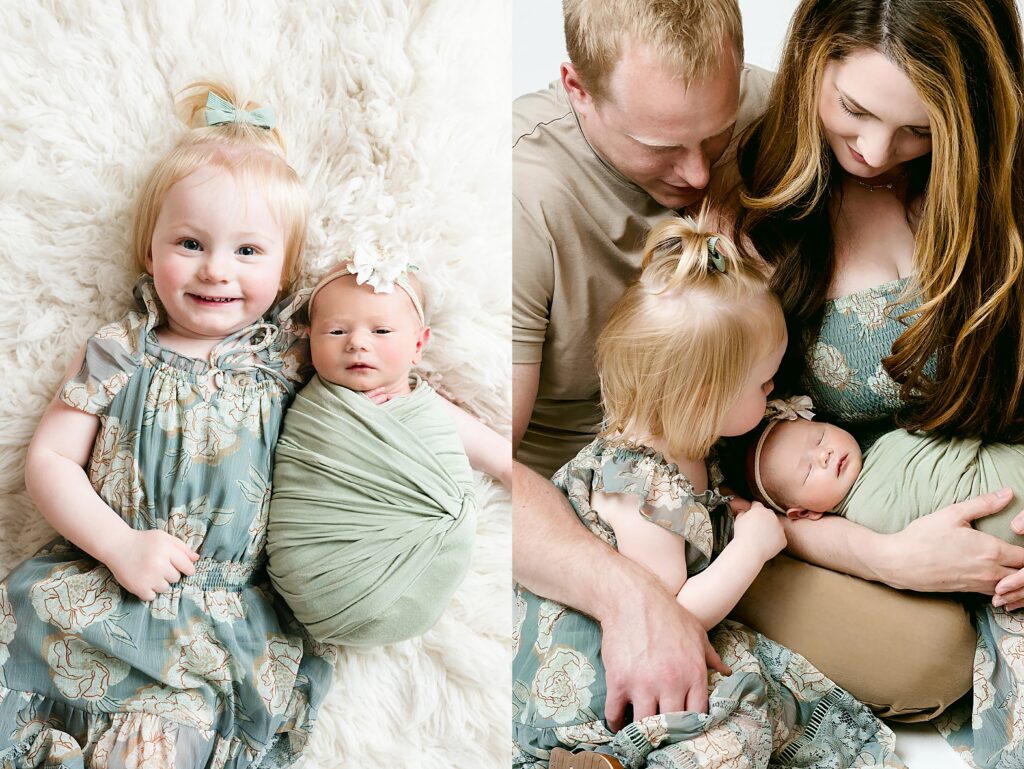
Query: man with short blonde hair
(654, 95)
(687, 38)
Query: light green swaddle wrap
(906, 476)
(372, 516)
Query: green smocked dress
(774, 710)
(215, 672)
(847, 383)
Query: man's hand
(942, 552)
(656, 656)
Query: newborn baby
(371, 523)
(804, 469)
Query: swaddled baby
(372, 517)
(804, 469)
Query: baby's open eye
(382, 331)
(336, 331)
(247, 251)
(189, 244)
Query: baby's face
(362, 340)
(809, 465)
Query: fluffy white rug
(396, 116)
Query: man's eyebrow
(859, 108)
(650, 142)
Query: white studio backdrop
(538, 45)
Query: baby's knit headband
(778, 410)
(378, 268)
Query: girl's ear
(421, 342)
(794, 513)
(149, 261)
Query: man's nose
(694, 169)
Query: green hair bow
(219, 111)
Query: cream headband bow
(382, 271)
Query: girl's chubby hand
(737, 504)
(146, 563)
(759, 528)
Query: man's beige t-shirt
(579, 228)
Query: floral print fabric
(987, 730)
(774, 710)
(844, 376)
(214, 672)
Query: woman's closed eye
(847, 110)
(915, 131)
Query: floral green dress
(774, 710)
(214, 672)
(845, 378)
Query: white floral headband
(779, 410)
(380, 269)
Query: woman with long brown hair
(885, 186)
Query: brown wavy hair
(964, 58)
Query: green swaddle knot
(372, 518)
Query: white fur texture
(396, 117)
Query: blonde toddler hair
(688, 35)
(254, 155)
(681, 342)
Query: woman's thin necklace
(872, 187)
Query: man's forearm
(838, 544)
(555, 556)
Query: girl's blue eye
(191, 245)
(247, 251)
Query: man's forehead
(649, 102)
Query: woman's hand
(1010, 590)
(941, 552)
(759, 528)
(149, 562)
